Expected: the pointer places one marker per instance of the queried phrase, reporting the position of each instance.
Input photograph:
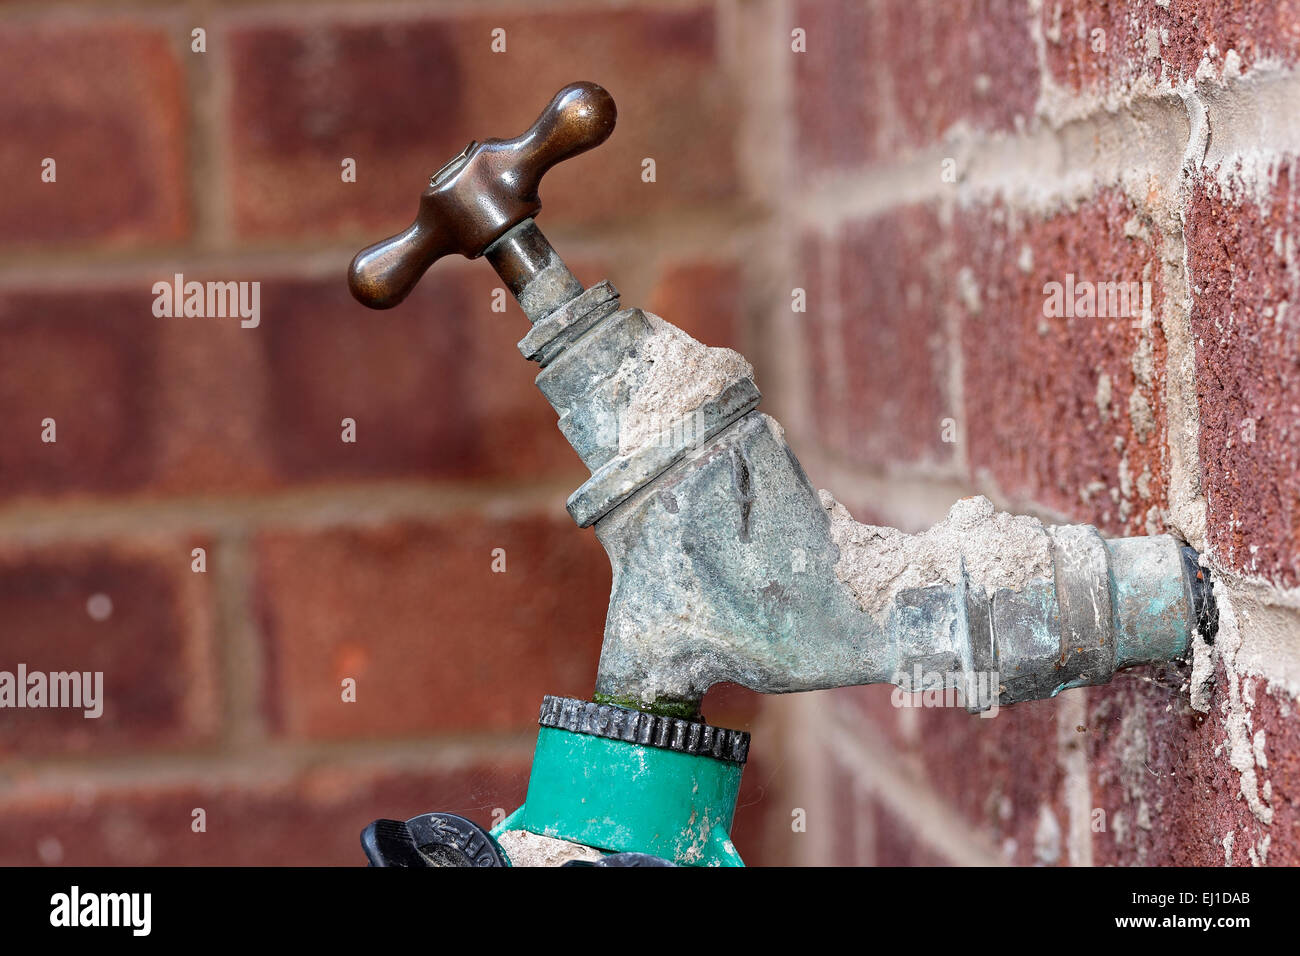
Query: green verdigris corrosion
(662, 707)
(625, 797)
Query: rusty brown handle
(477, 197)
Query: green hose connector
(624, 781)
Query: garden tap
(728, 565)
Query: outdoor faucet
(727, 564)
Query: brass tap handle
(481, 194)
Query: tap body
(729, 566)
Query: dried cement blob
(670, 377)
(998, 550)
(531, 849)
(1202, 679)
(1244, 745)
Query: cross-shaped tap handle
(481, 195)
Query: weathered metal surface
(622, 475)
(532, 271)
(553, 334)
(1155, 614)
(724, 568)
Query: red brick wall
(1067, 154)
(324, 560)
(824, 170)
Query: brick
(434, 638)
(1064, 411)
(209, 410)
(867, 832)
(140, 403)
(877, 351)
(102, 411)
(1162, 41)
(1275, 713)
(437, 389)
(704, 299)
(1163, 775)
(817, 323)
(1247, 338)
(999, 773)
(155, 648)
(250, 822)
(403, 97)
(836, 93)
(895, 75)
(874, 705)
(897, 843)
(971, 65)
(106, 101)
(847, 801)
